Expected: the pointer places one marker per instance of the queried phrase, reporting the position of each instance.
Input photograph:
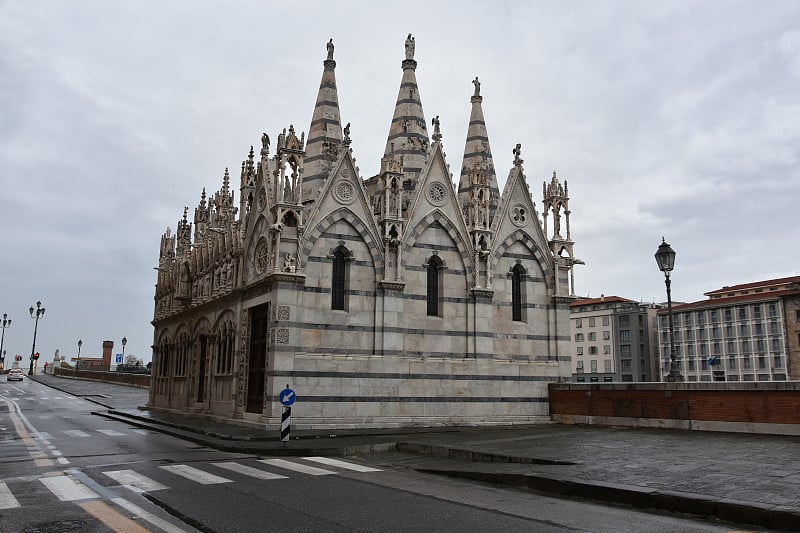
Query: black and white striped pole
(287, 397)
(286, 423)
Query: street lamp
(6, 323)
(78, 362)
(665, 257)
(37, 314)
(124, 342)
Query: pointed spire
(477, 153)
(408, 137)
(325, 132)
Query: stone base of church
(300, 423)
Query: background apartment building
(611, 340)
(745, 332)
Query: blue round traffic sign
(287, 396)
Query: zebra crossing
(67, 488)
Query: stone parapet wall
(751, 407)
(120, 378)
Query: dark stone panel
(419, 399)
(399, 375)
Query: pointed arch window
(434, 269)
(340, 278)
(517, 293)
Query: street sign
(119, 358)
(287, 396)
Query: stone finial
(330, 50)
(517, 151)
(410, 47)
(264, 144)
(437, 133)
(346, 139)
(477, 85)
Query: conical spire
(325, 132)
(408, 138)
(477, 153)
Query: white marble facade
(405, 299)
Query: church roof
(325, 132)
(408, 137)
(478, 153)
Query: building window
(606, 335)
(745, 345)
(435, 266)
(760, 345)
(757, 311)
(762, 362)
(776, 345)
(339, 279)
(759, 328)
(625, 335)
(716, 347)
(691, 364)
(731, 347)
(607, 365)
(773, 309)
(606, 349)
(592, 350)
(591, 322)
(687, 319)
(701, 318)
(742, 313)
(580, 350)
(593, 365)
(517, 292)
(773, 327)
(703, 349)
(714, 315)
(778, 362)
(746, 363)
(579, 367)
(690, 349)
(579, 337)
(624, 321)
(625, 350)
(592, 336)
(224, 349)
(605, 319)
(729, 330)
(578, 323)
(728, 314)
(732, 363)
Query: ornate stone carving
(283, 312)
(437, 193)
(344, 192)
(282, 336)
(262, 198)
(518, 215)
(261, 257)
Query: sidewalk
(742, 478)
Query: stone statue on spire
(437, 132)
(330, 50)
(410, 47)
(477, 85)
(517, 151)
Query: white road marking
(141, 431)
(76, 433)
(111, 433)
(66, 489)
(342, 464)
(249, 471)
(135, 482)
(297, 467)
(7, 500)
(156, 521)
(196, 475)
(45, 435)
(62, 461)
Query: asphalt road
(63, 469)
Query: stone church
(404, 299)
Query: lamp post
(37, 314)
(124, 342)
(6, 323)
(665, 257)
(78, 362)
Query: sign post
(287, 397)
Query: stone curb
(735, 511)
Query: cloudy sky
(673, 118)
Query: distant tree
(132, 360)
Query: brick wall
(763, 407)
(121, 378)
